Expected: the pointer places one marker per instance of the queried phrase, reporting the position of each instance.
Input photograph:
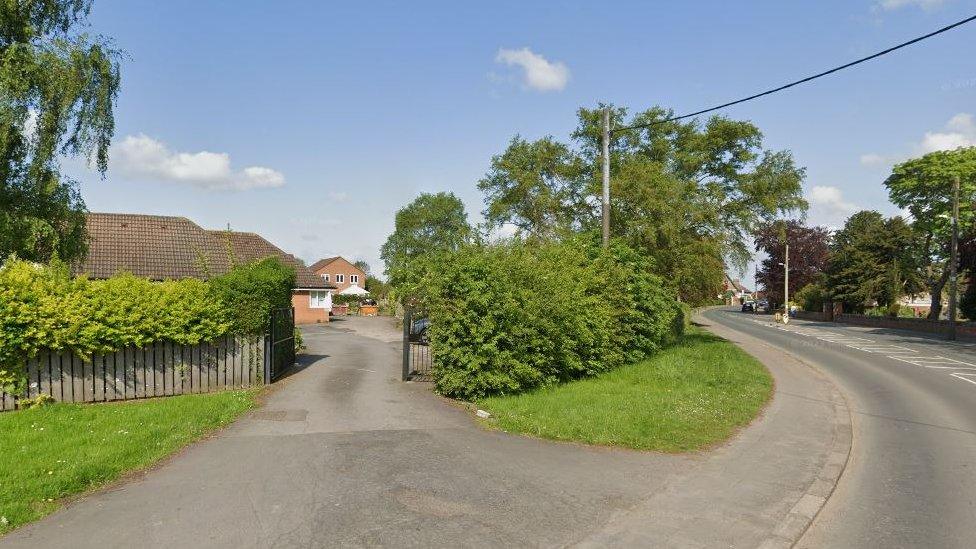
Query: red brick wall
(305, 314)
(346, 270)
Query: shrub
(811, 297)
(511, 317)
(251, 291)
(44, 307)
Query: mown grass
(687, 397)
(55, 451)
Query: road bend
(911, 477)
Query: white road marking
(960, 370)
(965, 377)
(882, 348)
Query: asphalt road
(911, 478)
(344, 454)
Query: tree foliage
(729, 183)
(687, 195)
(809, 248)
(535, 186)
(873, 260)
(431, 225)
(923, 186)
(57, 93)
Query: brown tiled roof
(152, 246)
(246, 247)
(323, 263)
(164, 247)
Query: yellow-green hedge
(44, 307)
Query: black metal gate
(417, 359)
(279, 350)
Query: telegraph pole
(786, 284)
(606, 177)
(953, 260)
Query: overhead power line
(804, 80)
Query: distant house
(338, 271)
(739, 291)
(164, 247)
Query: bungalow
(347, 277)
(164, 247)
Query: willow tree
(57, 93)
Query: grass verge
(687, 397)
(56, 451)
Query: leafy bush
(346, 299)
(44, 307)
(510, 317)
(811, 297)
(251, 291)
(895, 310)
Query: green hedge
(251, 290)
(44, 307)
(510, 317)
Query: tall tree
(362, 265)
(873, 260)
(653, 212)
(809, 248)
(924, 187)
(535, 186)
(686, 194)
(57, 92)
(729, 181)
(424, 229)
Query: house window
(319, 300)
(340, 278)
(325, 277)
(354, 279)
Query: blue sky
(312, 122)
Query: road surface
(911, 478)
(344, 454)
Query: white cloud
(891, 5)
(539, 73)
(338, 196)
(872, 159)
(828, 207)
(960, 131)
(141, 156)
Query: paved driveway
(344, 454)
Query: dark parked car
(748, 306)
(762, 306)
(418, 331)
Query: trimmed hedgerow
(44, 307)
(251, 290)
(514, 316)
